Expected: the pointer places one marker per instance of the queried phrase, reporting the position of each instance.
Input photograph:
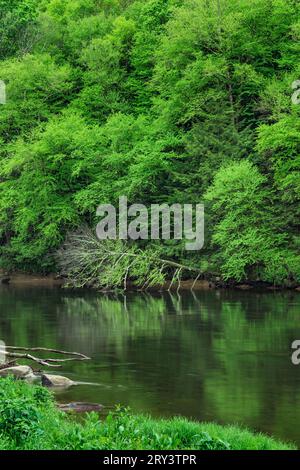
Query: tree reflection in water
(210, 355)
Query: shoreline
(52, 429)
(18, 279)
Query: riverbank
(54, 280)
(24, 279)
(30, 420)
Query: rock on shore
(56, 381)
(19, 372)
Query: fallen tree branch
(84, 260)
(32, 358)
(58, 351)
(49, 362)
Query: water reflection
(210, 355)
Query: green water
(222, 356)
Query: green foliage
(248, 234)
(171, 92)
(21, 410)
(16, 18)
(40, 180)
(279, 144)
(143, 433)
(37, 89)
(30, 420)
(87, 261)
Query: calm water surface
(220, 356)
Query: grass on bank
(30, 420)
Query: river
(214, 355)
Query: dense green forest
(175, 101)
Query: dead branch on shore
(32, 358)
(107, 264)
(58, 351)
(49, 362)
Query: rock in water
(19, 372)
(56, 381)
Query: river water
(222, 356)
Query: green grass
(30, 420)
